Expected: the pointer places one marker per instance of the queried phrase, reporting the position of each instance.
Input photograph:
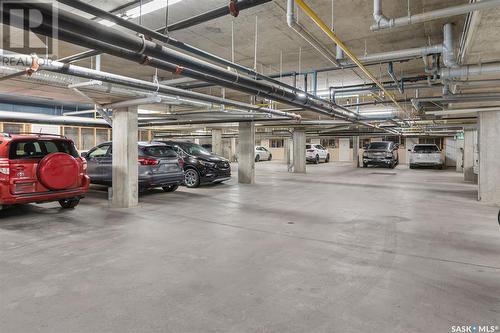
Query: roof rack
(33, 133)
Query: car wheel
(270, 157)
(316, 160)
(170, 188)
(412, 166)
(393, 165)
(257, 158)
(440, 167)
(327, 158)
(365, 165)
(191, 178)
(69, 203)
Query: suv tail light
(181, 163)
(4, 168)
(148, 161)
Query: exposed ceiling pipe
(196, 68)
(382, 22)
(316, 19)
(469, 70)
(208, 121)
(233, 8)
(168, 40)
(38, 118)
(306, 35)
(133, 102)
(451, 112)
(79, 56)
(449, 58)
(90, 74)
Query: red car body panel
(20, 179)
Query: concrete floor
(336, 250)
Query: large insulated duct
(233, 7)
(467, 71)
(382, 22)
(449, 59)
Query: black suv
(381, 153)
(200, 165)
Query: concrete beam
(470, 142)
(217, 142)
(299, 151)
(125, 168)
(246, 156)
(489, 157)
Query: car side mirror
(84, 154)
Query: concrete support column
(355, 151)
(299, 151)
(217, 142)
(470, 141)
(233, 150)
(489, 157)
(125, 167)
(246, 156)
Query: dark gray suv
(384, 153)
(159, 166)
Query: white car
(317, 153)
(426, 155)
(262, 154)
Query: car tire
(257, 158)
(191, 178)
(69, 203)
(316, 160)
(440, 167)
(270, 157)
(327, 160)
(365, 165)
(170, 188)
(412, 166)
(393, 165)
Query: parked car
(262, 154)
(36, 168)
(426, 155)
(200, 165)
(383, 153)
(317, 153)
(159, 166)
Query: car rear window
(308, 146)
(159, 151)
(426, 149)
(379, 145)
(30, 149)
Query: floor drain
(290, 222)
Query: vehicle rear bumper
(43, 196)
(161, 180)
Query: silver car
(159, 166)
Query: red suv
(41, 168)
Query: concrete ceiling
(351, 19)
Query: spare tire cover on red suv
(58, 171)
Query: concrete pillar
(217, 142)
(246, 156)
(355, 151)
(299, 151)
(125, 167)
(233, 150)
(470, 141)
(489, 157)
